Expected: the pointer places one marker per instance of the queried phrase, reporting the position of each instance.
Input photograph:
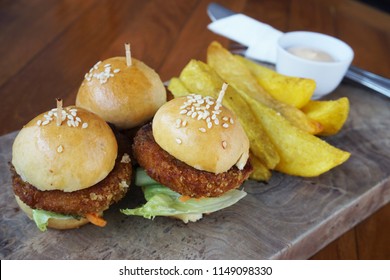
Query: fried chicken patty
(94, 199)
(179, 176)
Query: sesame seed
(231, 121)
(60, 149)
(184, 123)
(45, 122)
(224, 144)
(189, 113)
(39, 122)
(107, 65)
(225, 119)
(209, 125)
(116, 71)
(225, 125)
(193, 115)
(85, 125)
(178, 123)
(183, 112)
(202, 129)
(178, 141)
(216, 121)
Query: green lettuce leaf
(41, 218)
(162, 201)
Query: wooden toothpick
(222, 93)
(59, 111)
(128, 54)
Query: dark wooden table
(46, 47)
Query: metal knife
(370, 80)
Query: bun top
(202, 133)
(126, 96)
(73, 156)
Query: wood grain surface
(47, 47)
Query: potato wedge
(301, 154)
(177, 88)
(238, 76)
(260, 171)
(200, 78)
(291, 90)
(330, 114)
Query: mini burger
(66, 171)
(123, 91)
(193, 156)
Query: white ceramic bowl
(327, 75)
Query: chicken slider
(123, 91)
(197, 148)
(67, 170)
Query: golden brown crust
(91, 200)
(129, 97)
(202, 133)
(65, 157)
(180, 177)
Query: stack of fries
(276, 111)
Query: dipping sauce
(311, 54)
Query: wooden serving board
(288, 218)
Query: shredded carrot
(184, 198)
(96, 219)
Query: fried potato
(330, 114)
(260, 171)
(200, 78)
(301, 154)
(177, 88)
(291, 90)
(235, 73)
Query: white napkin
(260, 38)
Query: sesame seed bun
(53, 223)
(73, 156)
(127, 98)
(213, 144)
